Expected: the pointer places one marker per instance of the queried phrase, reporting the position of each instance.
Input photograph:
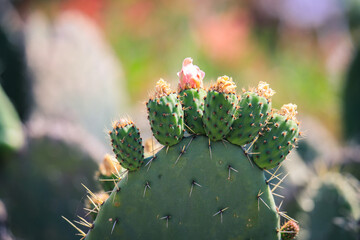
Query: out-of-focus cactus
(330, 208)
(11, 133)
(352, 100)
(197, 187)
(42, 182)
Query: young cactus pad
(220, 108)
(252, 114)
(166, 115)
(197, 187)
(192, 96)
(277, 138)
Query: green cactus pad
(193, 106)
(183, 194)
(166, 119)
(251, 117)
(275, 142)
(219, 114)
(127, 145)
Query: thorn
(210, 149)
(190, 128)
(192, 186)
(231, 169)
(147, 185)
(167, 149)
(277, 185)
(81, 233)
(149, 162)
(221, 212)
(95, 205)
(90, 192)
(259, 198)
(113, 227)
(278, 195)
(167, 217)
(181, 153)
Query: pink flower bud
(190, 75)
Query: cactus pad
(220, 108)
(193, 105)
(277, 139)
(189, 196)
(252, 116)
(166, 115)
(127, 144)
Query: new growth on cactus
(209, 183)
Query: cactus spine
(199, 187)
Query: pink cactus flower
(190, 75)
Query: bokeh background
(68, 68)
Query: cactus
(330, 208)
(196, 187)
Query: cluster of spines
(109, 171)
(289, 230)
(127, 144)
(252, 115)
(166, 115)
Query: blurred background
(68, 68)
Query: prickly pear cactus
(199, 185)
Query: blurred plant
(43, 181)
(11, 133)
